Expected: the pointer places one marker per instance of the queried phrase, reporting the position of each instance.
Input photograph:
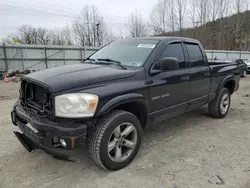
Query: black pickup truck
(109, 99)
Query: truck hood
(77, 75)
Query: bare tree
(109, 37)
(238, 7)
(43, 36)
(66, 35)
(219, 24)
(26, 34)
(202, 11)
(193, 18)
(213, 15)
(61, 36)
(30, 35)
(171, 14)
(159, 18)
(56, 38)
(136, 25)
(223, 12)
(101, 32)
(89, 27)
(79, 32)
(163, 17)
(180, 9)
(214, 10)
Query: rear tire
(220, 106)
(115, 140)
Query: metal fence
(220, 54)
(21, 57)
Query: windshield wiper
(113, 61)
(88, 59)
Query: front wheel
(116, 140)
(220, 106)
(244, 73)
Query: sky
(58, 13)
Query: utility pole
(98, 33)
(5, 57)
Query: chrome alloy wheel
(224, 105)
(122, 142)
(244, 73)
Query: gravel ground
(190, 151)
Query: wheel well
(230, 85)
(138, 109)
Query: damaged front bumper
(42, 133)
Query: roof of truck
(167, 38)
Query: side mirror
(169, 63)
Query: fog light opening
(59, 142)
(63, 143)
(55, 140)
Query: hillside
(229, 33)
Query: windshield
(130, 52)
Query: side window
(175, 50)
(195, 55)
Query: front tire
(220, 106)
(115, 140)
(244, 73)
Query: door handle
(207, 74)
(185, 78)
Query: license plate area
(31, 132)
(32, 128)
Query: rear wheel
(220, 106)
(116, 140)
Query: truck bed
(220, 69)
(220, 62)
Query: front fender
(122, 99)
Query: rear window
(195, 55)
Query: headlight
(76, 105)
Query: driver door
(170, 89)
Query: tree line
(218, 24)
(88, 29)
(30, 35)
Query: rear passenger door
(199, 76)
